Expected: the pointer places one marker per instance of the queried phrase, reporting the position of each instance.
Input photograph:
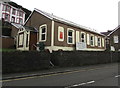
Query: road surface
(105, 75)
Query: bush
(24, 61)
(80, 58)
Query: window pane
(14, 11)
(21, 21)
(83, 40)
(70, 33)
(82, 35)
(43, 37)
(43, 29)
(70, 39)
(13, 19)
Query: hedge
(80, 58)
(19, 61)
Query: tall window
(21, 39)
(70, 36)
(42, 32)
(60, 33)
(115, 39)
(21, 21)
(92, 40)
(21, 13)
(13, 19)
(6, 8)
(7, 17)
(13, 11)
(99, 42)
(83, 37)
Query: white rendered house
(11, 14)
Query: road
(106, 75)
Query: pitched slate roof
(114, 30)
(27, 28)
(55, 18)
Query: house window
(7, 17)
(115, 39)
(99, 42)
(4, 8)
(13, 11)
(21, 21)
(83, 37)
(13, 19)
(42, 32)
(8, 8)
(92, 40)
(70, 36)
(21, 13)
(17, 20)
(21, 39)
(60, 33)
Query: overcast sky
(101, 15)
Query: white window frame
(73, 32)
(98, 41)
(84, 37)
(60, 29)
(40, 33)
(92, 40)
(21, 39)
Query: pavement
(53, 70)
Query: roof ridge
(53, 17)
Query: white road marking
(90, 82)
(117, 76)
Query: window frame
(13, 18)
(93, 43)
(73, 33)
(40, 33)
(114, 39)
(5, 15)
(99, 42)
(21, 45)
(60, 29)
(83, 38)
(14, 10)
